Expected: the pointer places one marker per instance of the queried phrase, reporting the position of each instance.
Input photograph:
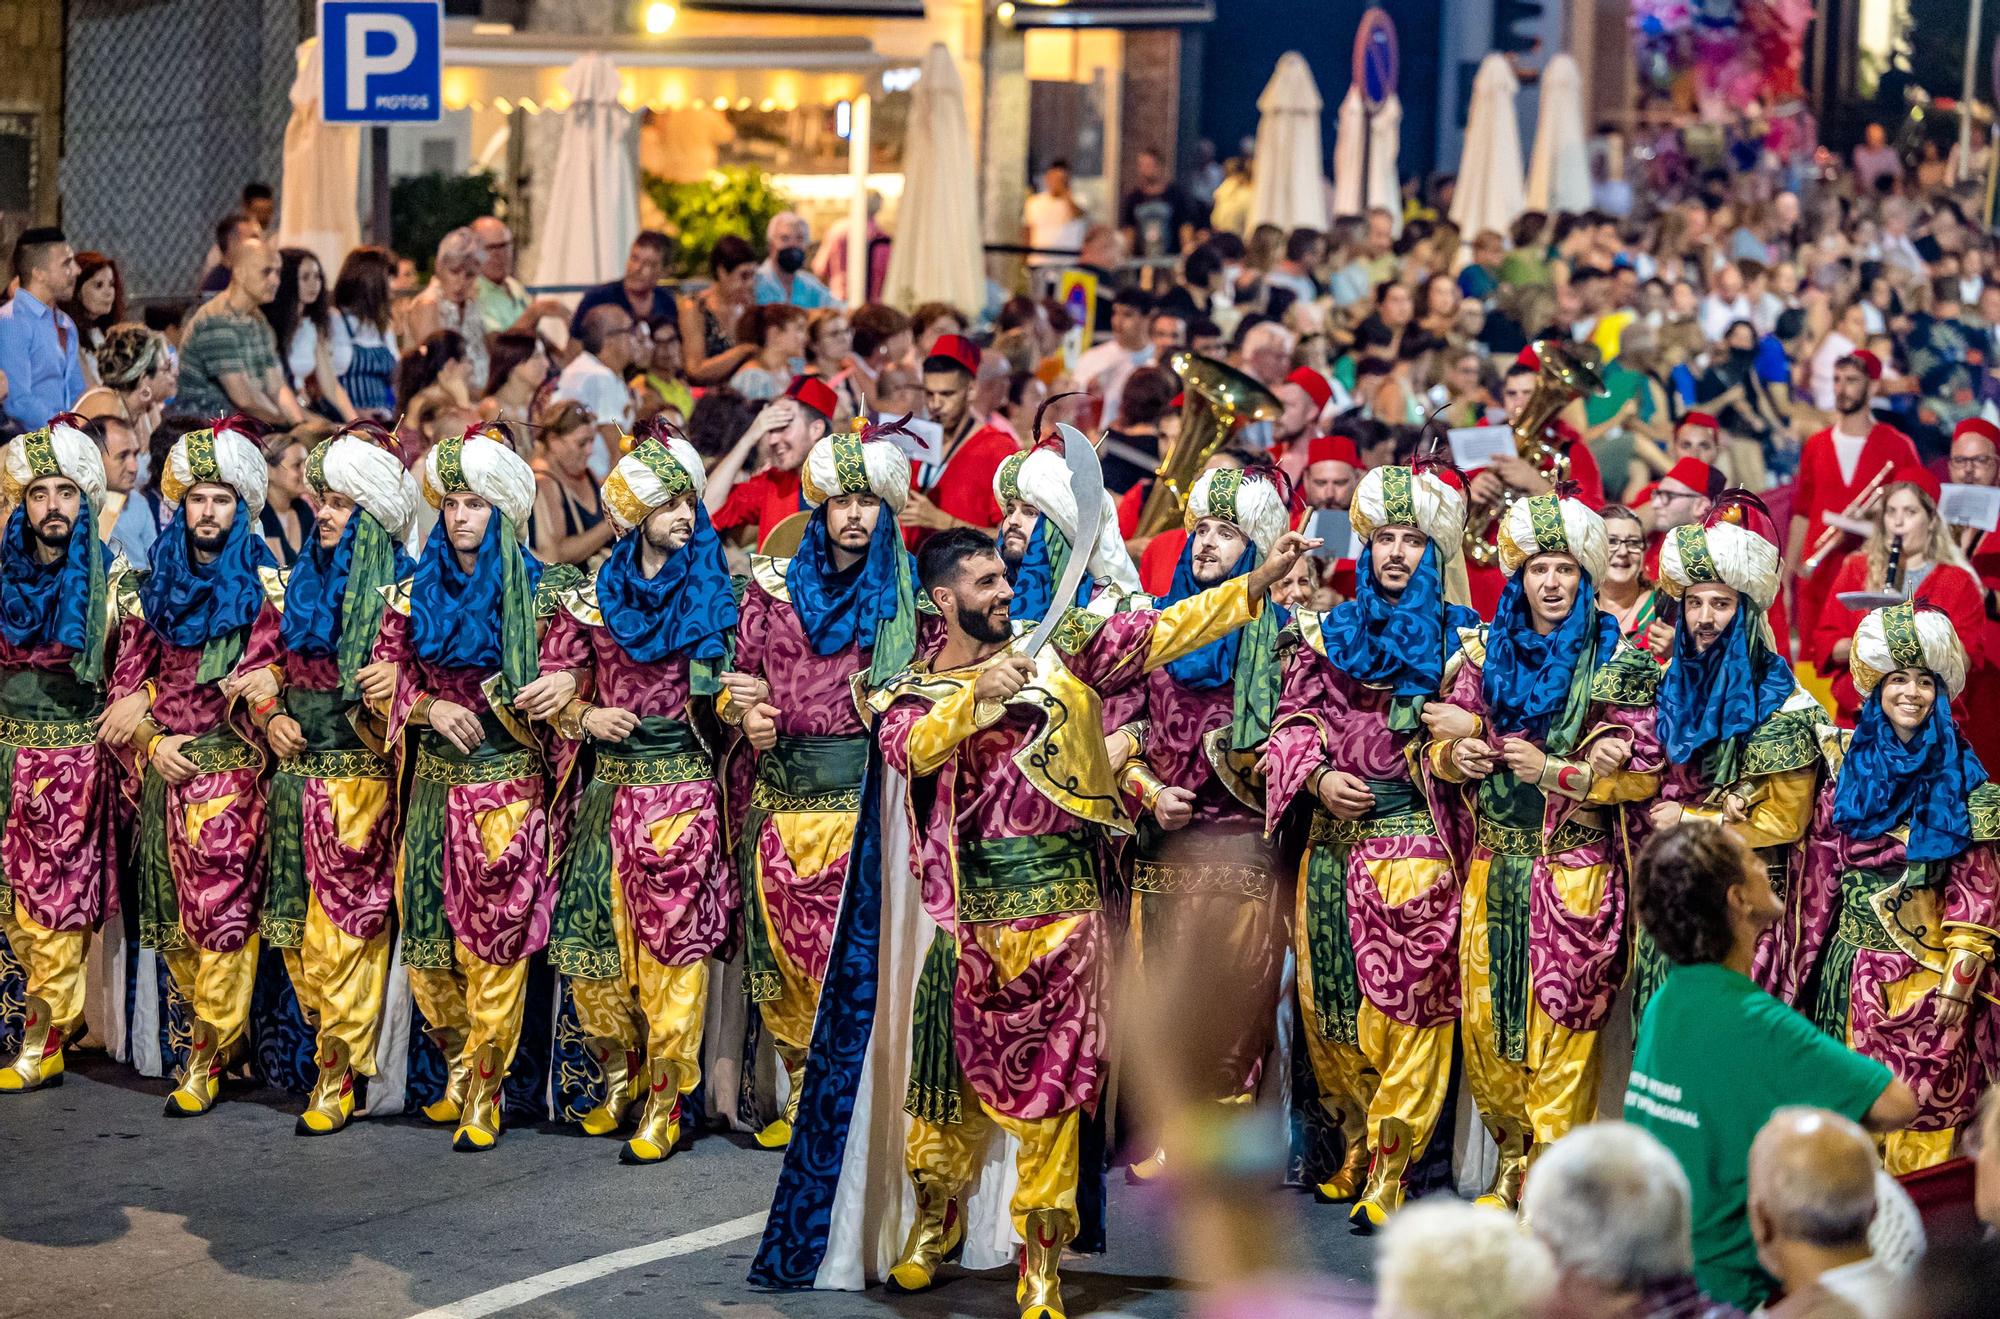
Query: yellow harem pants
(52, 961)
(813, 841)
(648, 1003)
(1046, 1165)
(1553, 1089)
(217, 986)
(338, 979)
(1391, 1071)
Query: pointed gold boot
(39, 1064)
(936, 1238)
(622, 1079)
(479, 1126)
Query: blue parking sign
(381, 61)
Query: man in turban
(1375, 873)
(329, 854)
(645, 894)
(1550, 729)
(1202, 872)
(201, 804)
(457, 645)
(1038, 530)
(839, 610)
(56, 862)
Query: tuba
(1567, 374)
(1218, 397)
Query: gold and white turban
(58, 449)
(845, 464)
(1901, 637)
(369, 475)
(1041, 478)
(1735, 556)
(1400, 497)
(223, 456)
(1246, 501)
(654, 474)
(1553, 524)
(479, 465)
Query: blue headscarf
(685, 609)
(1246, 658)
(1035, 577)
(1214, 665)
(320, 617)
(1530, 678)
(48, 603)
(1720, 694)
(192, 604)
(1398, 643)
(457, 619)
(860, 604)
(1923, 783)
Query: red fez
(1871, 365)
(815, 394)
(953, 352)
(1177, 402)
(1529, 358)
(1923, 479)
(1705, 420)
(1979, 426)
(1333, 449)
(1698, 476)
(1313, 383)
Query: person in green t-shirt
(1717, 1056)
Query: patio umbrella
(1385, 143)
(319, 203)
(1288, 185)
(938, 255)
(1489, 170)
(1349, 146)
(1559, 170)
(592, 211)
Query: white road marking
(555, 1280)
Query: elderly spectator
(1265, 353)
(39, 343)
(231, 231)
(502, 298)
(710, 320)
(595, 377)
(638, 290)
(777, 331)
(1812, 1200)
(783, 277)
(312, 342)
(98, 304)
(1716, 1056)
(1440, 1259)
(364, 306)
(569, 525)
(139, 374)
(449, 301)
(1611, 1204)
(229, 354)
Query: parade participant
(1200, 867)
(1975, 460)
(957, 489)
(329, 854)
(56, 859)
(1038, 529)
(1910, 551)
(1889, 932)
(1375, 874)
(457, 645)
(1008, 1024)
(785, 431)
(839, 610)
(1841, 469)
(1697, 435)
(645, 892)
(201, 805)
(1560, 731)
(1741, 737)
(1333, 465)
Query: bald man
(230, 357)
(1812, 1198)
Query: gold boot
(1039, 1292)
(936, 1238)
(622, 1079)
(660, 1125)
(1346, 1183)
(458, 1076)
(40, 1062)
(1512, 1170)
(1383, 1195)
(332, 1101)
(1147, 1169)
(201, 1076)
(479, 1127)
(778, 1133)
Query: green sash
(933, 1093)
(1510, 814)
(798, 774)
(1011, 879)
(1400, 811)
(1856, 926)
(332, 745)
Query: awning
(1111, 13)
(531, 49)
(817, 8)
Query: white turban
(371, 476)
(654, 474)
(1727, 553)
(58, 449)
(1248, 502)
(223, 456)
(1041, 478)
(1548, 524)
(845, 464)
(480, 465)
(1400, 497)
(1900, 637)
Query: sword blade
(1086, 486)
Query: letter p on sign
(381, 61)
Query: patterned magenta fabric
(266, 649)
(606, 675)
(180, 704)
(803, 908)
(811, 691)
(54, 846)
(1178, 718)
(417, 677)
(219, 869)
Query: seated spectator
(312, 342)
(710, 320)
(1137, 436)
(830, 357)
(1611, 1204)
(229, 353)
(503, 300)
(231, 232)
(1482, 278)
(610, 341)
(1812, 1199)
(1627, 592)
(147, 513)
(288, 516)
(934, 320)
(96, 306)
(777, 332)
(1440, 1259)
(518, 366)
(1717, 1056)
(138, 374)
(638, 290)
(451, 301)
(1104, 369)
(568, 525)
(433, 383)
(717, 420)
(365, 309)
(664, 380)
(783, 278)
(882, 340)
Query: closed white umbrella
(1489, 194)
(319, 202)
(1349, 147)
(1559, 170)
(1385, 143)
(1288, 186)
(592, 212)
(937, 255)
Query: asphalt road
(107, 1207)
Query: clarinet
(1894, 573)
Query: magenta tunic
(54, 850)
